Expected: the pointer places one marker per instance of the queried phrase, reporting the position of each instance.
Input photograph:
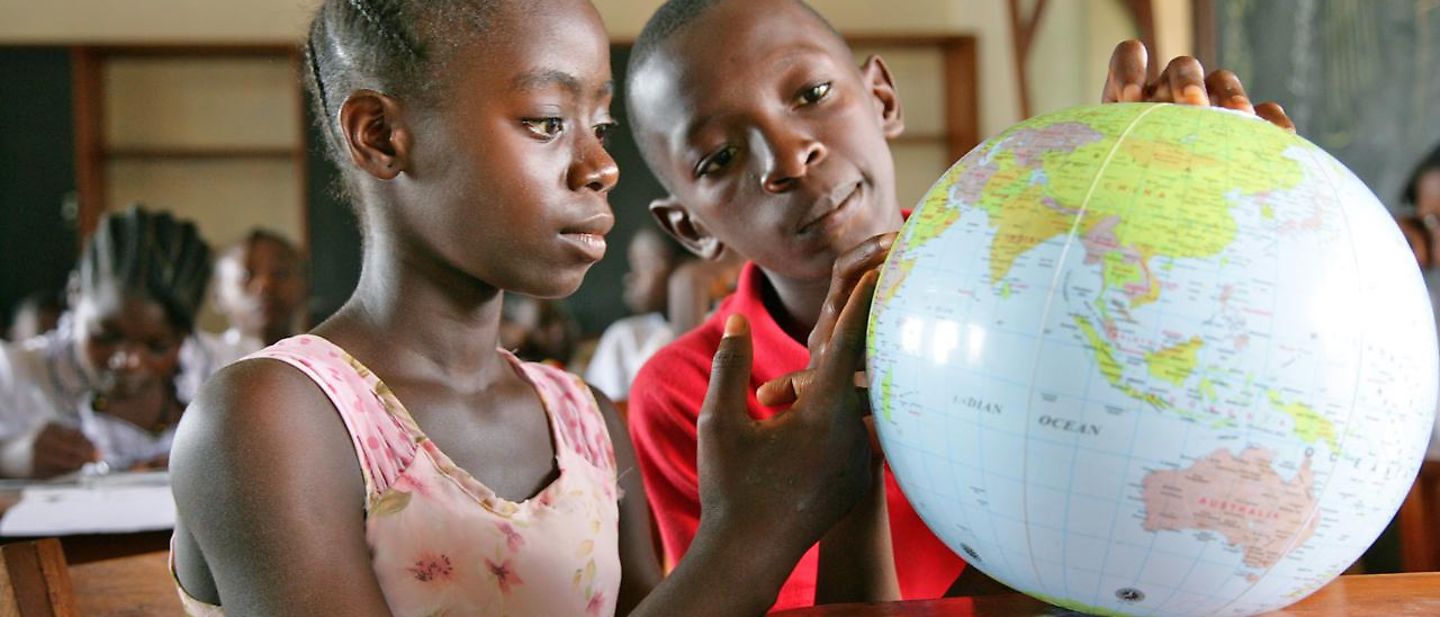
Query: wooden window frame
(92, 152)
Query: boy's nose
(791, 158)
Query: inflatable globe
(1143, 359)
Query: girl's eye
(716, 162)
(813, 94)
(548, 128)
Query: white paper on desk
(69, 510)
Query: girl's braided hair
(398, 47)
(151, 253)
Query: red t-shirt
(664, 405)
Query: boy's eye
(548, 128)
(604, 130)
(813, 94)
(716, 162)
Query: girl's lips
(590, 246)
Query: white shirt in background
(623, 349)
(41, 382)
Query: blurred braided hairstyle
(150, 253)
(398, 47)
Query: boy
(773, 144)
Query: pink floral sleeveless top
(441, 542)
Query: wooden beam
(1022, 36)
(1207, 41)
(962, 101)
(1143, 12)
(87, 95)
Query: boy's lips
(829, 207)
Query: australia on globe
(1149, 359)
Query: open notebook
(115, 503)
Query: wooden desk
(87, 548)
(1378, 595)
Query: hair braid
(152, 254)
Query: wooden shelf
(204, 152)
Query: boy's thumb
(725, 401)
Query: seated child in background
(260, 288)
(538, 330)
(1422, 231)
(103, 385)
(35, 314)
(629, 342)
(773, 144)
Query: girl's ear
(887, 99)
(378, 141)
(676, 220)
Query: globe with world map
(1148, 359)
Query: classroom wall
(1068, 64)
(1074, 43)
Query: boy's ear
(887, 99)
(675, 219)
(376, 138)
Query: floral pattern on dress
(441, 542)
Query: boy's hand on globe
(786, 480)
(845, 276)
(1183, 81)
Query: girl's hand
(1183, 81)
(60, 449)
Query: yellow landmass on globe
(1175, 363)
(1169, 191)
(1310, 426)
(1104, 354)
(935, 214)
(887, 392)
(1111, 368)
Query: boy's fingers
(1226, 91)
(1183, 81)
(846, 352)
(1126, 81)
(782, 390)
(1273, 113)
(848, 269)
(725, 401)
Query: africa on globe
(1149, 359)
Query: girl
(108, 384)
(394, 461)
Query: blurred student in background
(538, 330)
(102, 386)
(1422, 231)
(627, 343)
(36, 314)
(260, 288)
